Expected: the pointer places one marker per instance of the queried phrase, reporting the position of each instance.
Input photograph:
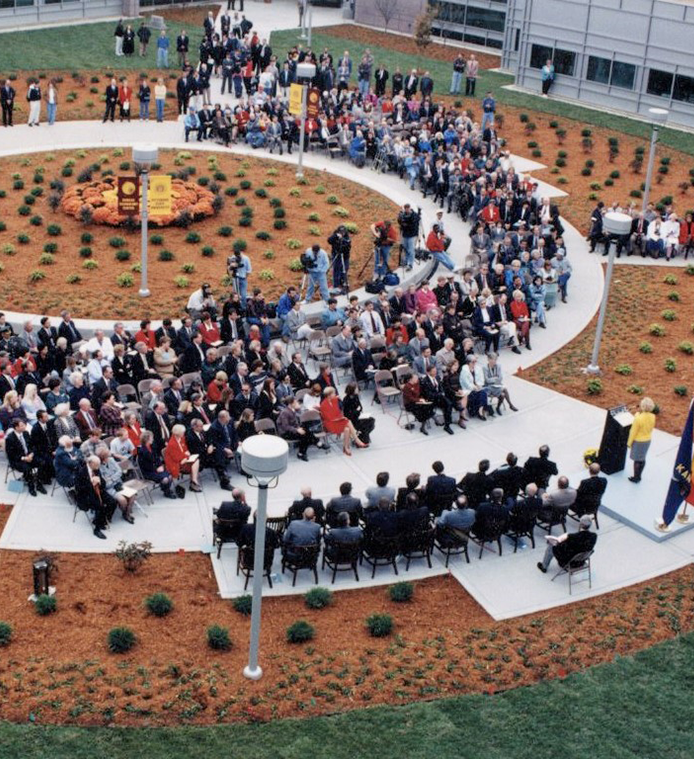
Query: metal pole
(253, 670)
(593, 367)
(649, 170)
(310, 24)
(302, 132)
(303, 20)
(144, 290)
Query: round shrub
(122, 255)
(401, 592)
(239, 245)
(203, 181)
(24, 210)
(247, 211)
(231, 191)
(116, 242)
(45, 605)
(243, 605)
(218, 638)
(121, 640)
(300, 632)
(318, 598)
(207, 251)
(23, 238)
(279, 224)
(29, 200)
(66, 171)
(279, 213)
(245, 184)
(18, 184)
(159, 604)
(680, 390)
(594, 387)
(686, 347)
(262, 235)
(276, 202)
(240, 202)
(245, 221)
(646, 347)
(379, 625)
(86, 238)
(192, 238)
(165, 255)
(156, 239)
(225, 231)
(86, 252)
(5, 633)
(261, 192)
(657, 330)
(46, 259)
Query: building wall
(19, 13)
(475, 22)
(627, 54)
(406, 12)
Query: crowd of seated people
(412, 520)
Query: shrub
(46, 259)
(46, 605)
(624, 369)
(669, 315)
(586, 172)
(37, 192)
(561, 162)
(314, 231)
(266, 275)
(401, 592)
(245, 184)
(318, 598)
(379, 625)
(295, 265)
(261, 193)
(279, 224)
(220, 176)
(225, 231)
(66, 171)
(275, 202)
(5, 633)
(689, 270)
(263, 236)
(73, 279)
(269, 183)
(116, 242)
(239, 245)
(657, 330)
(674, 296)
(646, 347)
(609, 182)
(561, 134)
(3, 226)
(122, 255)
(670, 365)
(36, 221)
(293, 244)
(125, 280)
(523, 118)
(188, 268)
(86, 252)
(8, 249)
(203, 181)
(594, 387)
(218, 638)
(37, 275)
(331, 200)
(595, 186)
(207, 251)
(24, 210)
(120, 640)
(156, 239)
(23, 238)
(193, 238)
(532, 144)
(133, 555)
(29, 200)
(537, 153)
(686, 347)
(295, 192)
(247, 211)
(165, 255)
(240, 202)
(90, 265)
(586, 132)
(635, 194)
(86, 238)
(269, 254)
(279, 213)
(245, 221)
(680, 390)
(300, 632)
(243, 604)
(159, 604)
(614, 174)
(18, 184)
(635, 389)
(562, 180)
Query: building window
(516, 42)
(623, 75)
(564, 62)
(539, 54)
(483, 18)
(598, 70)
(616, 73)
(659, 83)
(684, 89)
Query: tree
(387, 9)
(422, 27)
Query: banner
(681, 482)
(313, 102)
(295, 93)
(128, 196)
(159, 199)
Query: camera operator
(341, 247)
(315, 263)
(385, 236)
(408, 221)
(202, 300)
(436, 245)
(238, 268)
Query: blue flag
(681, 482)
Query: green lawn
(488, 80)
(633, 708)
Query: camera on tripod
(234, 263)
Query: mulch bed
(96, 294)
(57, 669)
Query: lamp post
(143, 158)
(304, 74)
(264, 459)
(658, 117)
(617, 225)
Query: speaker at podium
(613, 446)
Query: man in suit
(432, 391)
(568, 545)
(174, 396)
(236, 508)
(182, 47)
(590, 491)
(21, 456)
(342, 533)
(184, 86)
(380, 80)
(121, 336)
(111, 96)
(397, 81)
(47, 335)
(42, 446)
(363, 363)
(184, 336)
(85, 418)
(298, 375)
(231, 327)
(509, 477)
(413, 520)
(343, 347)
(503, 319)
(440, 489)
(298, 507)
(91, 495)
(7, 382)
(383, 522)
(458, 519)
(426, 85)
(69, 331)
(7, 97)
(381, 490)
(539, 469)
(193, 356)
(411, 83)
(344, 502)
(561, 499)
(491, 512)
(105, 384)
(301, 532)
(222, 436)
(476, 485)
(158, 423)
(639, 232)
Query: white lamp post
(143, 158)
(304, 74)
(264, 458)
(658, 117)
(618, 225)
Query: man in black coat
(111, 95)
(236, 508)
(193, 356)
(432, 391)
(42, 446)
(476, 485)
(568, 545)
(509, 477)
(296, 510)
(91, 495)
(590, 491)
(184, 86)
(21, 456)
(182, 48)
(381, 79)
(7, 96)
(222, 435)
(344, 502)
(382, 523)
(397, 81)
(159, 424)
(539, 469)
(440, 491)
(68, 330)
(491, 513)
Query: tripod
(368, 260)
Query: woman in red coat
(176, 458)
(209, 330)
(336, 423)
(686, 235)
(133, 427)
(521, 316)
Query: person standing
(408, 221)
(640, 437)
(144, 96)
(144, 34)
(163, 50)
(7, 96)
(118, 34)
(488, 109)
(471, 69)
(51, 102)
(317, 269)
(34, 99)
(160, 98)
(111, 100)
(457, 76)
(128, 41)
(182, 47)
(547, 75)
(341, 244)
(125, 98)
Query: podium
(613, 446)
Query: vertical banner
(128, 196)
(681, 482)
(295, 93)
(159, 198)
(313, 102)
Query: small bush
(261, 193)
(3, 226)
(245, 184)
(594, 387)
(203, 181)
(239, 245)
(669, 315)
(50, 247)
(37, 275)
(220, 176)
(46, 605)
(116, 242)
(295, 192)
(674, 296)
(8, 249)
(121, 640)
(231, 191)
(263, 235)
(243, 605)
(586, 171)
(300, 632)
(279, 213)
(159, 604)
(635, 389)
(624, 369)
(192, 238)
(657, 330)
(86, 238)
(561, 162)
(276, 202)
(23, 238)
(293, 244)
(240, 202)
(133, 555)
(331, 200)
(247, 211)
(401, 592)
(269, 254)
(614, 174)
(5, 633)
(646, 347)
(379, 625)
(314, 230)
(318, 598)
(689, 269)
(90, 265)
(245, 221)
(279, 224)
(686, 347)
(156, 239)
(523, 118)
(18, 184)
(218, 638)
(670, 365)
(609, 182)
(188, 268)
(73, 279)
(122, 255)
(532, 144)
(225, 231)
(125, 280)
(680, 390)
(29, 200)
(635, 194)
(46, 259)
(295, 265)
(86, 252)
(266, 275)
(24, 210)
(165, 255)
(537, 153)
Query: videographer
(436, 245)
(385, 236)
(202, 300)
(315, 263)
(408, 221)
(341, 247)
(238, 268)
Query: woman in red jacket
(209, 330)
(336, 423)
(125, 100)
(521, 317)
(177, 458)
(686, 235)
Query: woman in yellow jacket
(640, 437)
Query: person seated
(344, 502)
(477, 485)
(539, 469)
(494, 384)
(335, 422)
(222, 436)
(561, 499)
(509, 477)
(290, 428)
(300, 533)
(440, 490)
(472, 385)
(412, 487)
(64, 424)
(457, 519)
(112, 475)
(152, 466)
(91, 494)
(296, 510)
(122, 448)
(415, 404)
(21, 457)
(382, 522)
(491, 513)
(110, 415)
(528, 504)
(343, 346)
(413, 519)
(590, 491)
(342, 534)
(178, 460)
(380, 490)
(565, 547)
(236, 508)
(66, 463)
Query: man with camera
(238, 268)
(202, 300)
(408, 221)
(385, 236)
(341, 247)
(315, 263)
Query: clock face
(128, 188)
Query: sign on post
(128, 196)
(159, 198)
(295, 93)
(313, 103)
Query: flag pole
(683, 518)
